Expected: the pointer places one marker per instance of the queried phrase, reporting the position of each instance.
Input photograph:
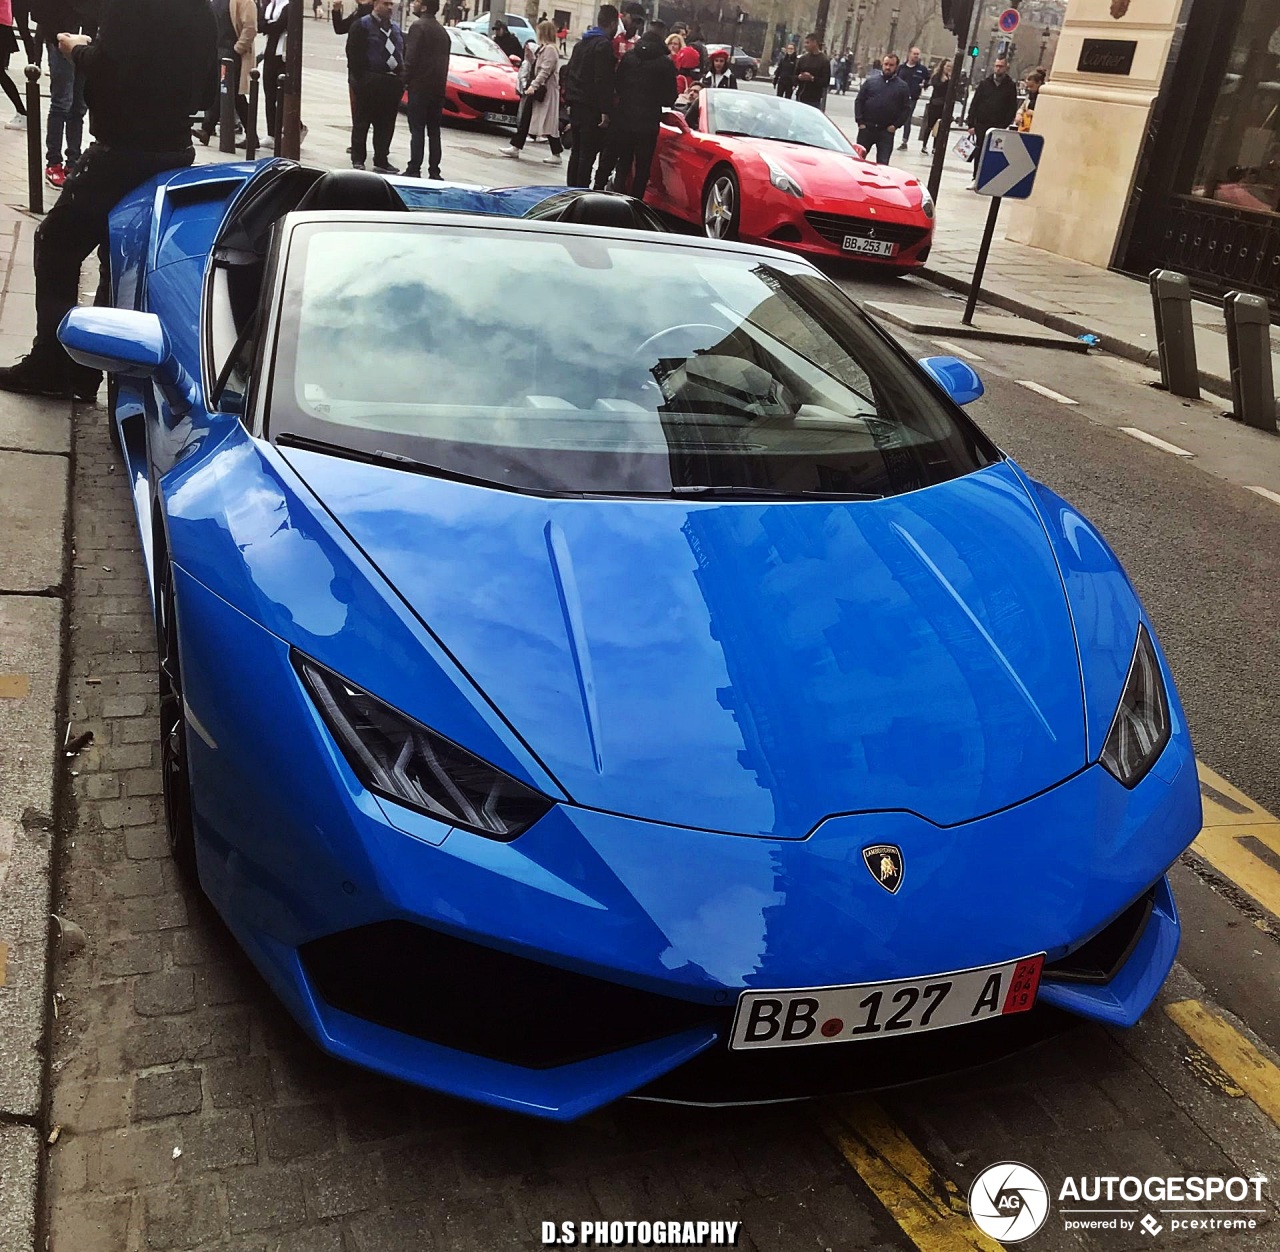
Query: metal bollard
(1253, 395)
(282, 85)
(35, 157)
(251, 130)
(1175, 333)
(228, 82)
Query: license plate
(869, 247)
(780, 1019)
(498, 117)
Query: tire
(748, 74)
(721, 202)
(174, 776)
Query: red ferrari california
(482, 80)
(755, 167)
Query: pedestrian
(8, 46)
(694, 39)
(342, 26)
(993, 107)
(505, 40)
(686, 65)
(719, 75)
(812, 73)
(562, 33)
(674, 42)
(1034, 80)
(65, 122)
(937, 103)
(784, 73)
(589, 82)
(237, 22)
(646, 88)
(144, 75)
(317, 9)
(630, 28)
(540, 102)
(915, 73)
(22, 24)
(426, 72)
(841, 69)
(275, 25)
(881, 106)
(375, 59)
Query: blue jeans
(66, 109)
(879, 138)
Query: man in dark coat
(505, 40)
(813, 73)
(375, 60)
(589, 86)
(915, 73)
(144, 74)
(883, 103)
(993, 107)
(645, 87)
(426, 70)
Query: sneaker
(357, 165)
(203, 135)
(302, 137)
(902, 147)
(973, 186)
(385, 169)
(19, 122)
(410, 172)
(55, 175)
(552, 160)
(510, 151)
(39, 376)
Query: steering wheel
(672, 330)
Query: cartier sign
(1107, 56)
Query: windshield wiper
(380, 457)
(727, 490)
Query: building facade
(1162, 129)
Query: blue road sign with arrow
(1008, 164)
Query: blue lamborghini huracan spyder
(598, 662)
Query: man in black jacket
(646, 85)
(375, 63)
(426, 70)
(882, 104)
(144, 73)
(994, 106)
(916, 74)
(813, 73)
(589, 85)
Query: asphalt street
(192, 1114)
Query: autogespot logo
(1009, 1202)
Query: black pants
(588, 141)
(932, 116)
(213, 114)
(979, 136)
(630, 155)
(77, 224)
(424, 131)
(377, 103)
(21, 12)
(523, 120)
(272, 68)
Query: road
(194, 1114)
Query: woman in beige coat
(540, 106)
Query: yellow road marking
(1231, 822)
(15, 686)
(1231, 1052)
(928, 1207)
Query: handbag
(966, 146)
(540, 93)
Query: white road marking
(1046, 391)
(1270, 495)
(1156, 442)
(956, 350)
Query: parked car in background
(520, 27)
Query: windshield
(471, 43)
(770, 117)
(598, 365)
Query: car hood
(743, 667)
(824, 173)
(487, 74)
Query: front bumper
(672, 923)
(818, 226)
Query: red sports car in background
(482, 79)
(747, 166)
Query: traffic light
(975, 51)
(957, 15)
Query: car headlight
(783, 181)
(1140, 729)
(926, 202)
(458, 82)
(400, 759)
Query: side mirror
(118, 341)
(678, 120)
(958, 380)
(860, 152)
(514, 61)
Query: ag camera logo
(1009, 1201)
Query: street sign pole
(981, 267)
(291, 97)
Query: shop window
(1240, 159)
